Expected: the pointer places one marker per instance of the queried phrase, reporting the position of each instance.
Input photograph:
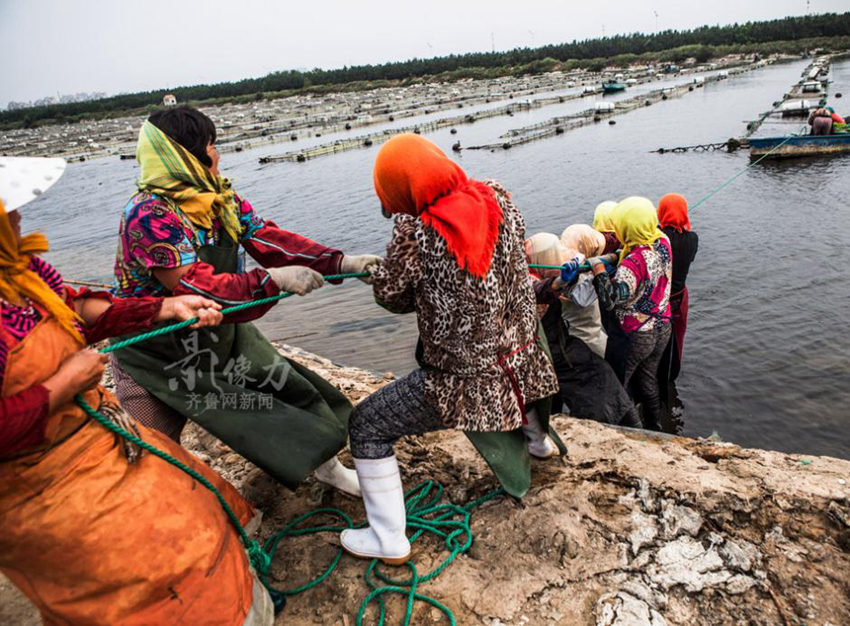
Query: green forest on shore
(791, 35)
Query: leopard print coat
(477, 335)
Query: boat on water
(613, 87)
(799, 145)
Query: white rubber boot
(539, 443)
(383, 498)
(337, 475)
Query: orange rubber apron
(91, 539)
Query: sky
(55, 47)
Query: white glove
(358, 263)
(296, 279)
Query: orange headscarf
(415, 177)
(17, 281)
(673, 211)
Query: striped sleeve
(48, 274)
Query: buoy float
(453, 131)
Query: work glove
(570, 270)
(296, 279)
(357, 263)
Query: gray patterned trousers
(390, 413)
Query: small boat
(613, 87)
(799, 145)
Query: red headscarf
(673, 211)
(415, 177)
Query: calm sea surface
(767, 354)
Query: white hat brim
(23, 179)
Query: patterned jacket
(477, 336)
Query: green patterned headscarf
(171, 171)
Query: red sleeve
(229, 289)
(23, 418)
(271, 246)
(126, 315)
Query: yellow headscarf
(635, 223)
(602, 216)
(18, 282)
(583, 238)
(171, 171)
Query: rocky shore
(629, 529)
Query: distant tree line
(699, 42)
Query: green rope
(584, 267)
(233, 309)
(730, 180)
(259, 559)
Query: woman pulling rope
(90, 531)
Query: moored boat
(613, 87)
(799, 145)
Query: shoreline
(629, 528)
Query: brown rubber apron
(92, 539)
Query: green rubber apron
(506, 451)
(229, 379)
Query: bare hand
(79, 372)
(182, 308)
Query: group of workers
(622, 325)
(94, 530)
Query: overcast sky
(67, 46)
